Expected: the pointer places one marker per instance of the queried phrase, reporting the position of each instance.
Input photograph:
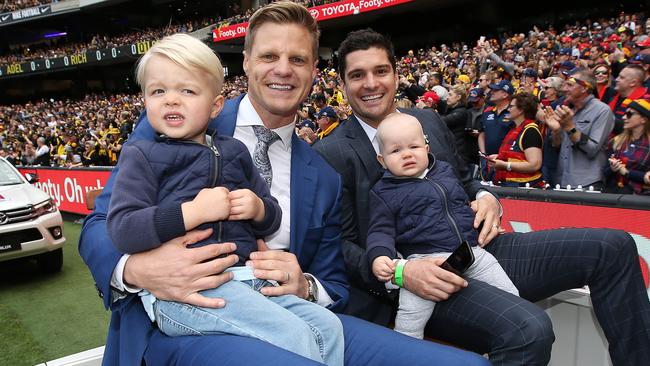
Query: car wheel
(51, 262)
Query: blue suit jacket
(315, 240)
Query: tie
(265, 138)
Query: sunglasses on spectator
(579, 82)
(629, 114)
(601, 73)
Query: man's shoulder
(336, 138)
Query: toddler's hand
(383, 268)
(210, 204)
(245, 205)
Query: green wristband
(399, 269)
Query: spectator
(604, 83)
(42, 153)
(29, 154)
(519, 161)
(476, 105)
(552, 96)
(327, 121)
(581, 132)
(428, 100)
(629, 152)
(629, 87)
(456, 117)
(494, 124)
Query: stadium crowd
(59, 47)
(566, 107)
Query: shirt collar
(247, 116)
(368, 129)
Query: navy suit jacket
(315, 240)
(349, 151)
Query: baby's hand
(245, 205)
(383, 268)
(210, 204)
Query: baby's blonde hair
(185, 51)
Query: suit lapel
(226, 121)
(304, 179)
(362, 146)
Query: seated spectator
(629, 152)
(327, 121)
(519, 161)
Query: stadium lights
(52, 35)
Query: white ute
(30, 223)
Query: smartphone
(460, 260)
(481, 40)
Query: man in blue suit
(305, 256)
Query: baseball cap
(530, 72)
(645, 43)
(503, 85)
(307, 123)
(430, 97)
(327, 112)
(475, 94)
(641, 59)
(567, 65)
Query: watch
(572, 131)
(509, 166)
(312, 291)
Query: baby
(419, 209)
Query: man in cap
(327, 121)
(475, 104)
(428, 100)
(529, 82)
(495, 123)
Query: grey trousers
(414, 312)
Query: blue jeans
(288, 321)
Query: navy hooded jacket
(419, 215)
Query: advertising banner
(68, 187)
(320, 13)
(95, 56)
(525, 216)
(23, 14)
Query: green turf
(44, 317)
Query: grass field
(44, 317)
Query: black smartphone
(460, 260)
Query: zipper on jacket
(451, 219)
(215, 173)
(217, 163)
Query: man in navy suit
(304, 257)
(478, 316)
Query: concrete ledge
(91, 357)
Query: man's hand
(282, 267)
(565, 115)
(646, 177)
(177, 273)
(425, 278)
(245, 205)
(383, 268)
(486, 210)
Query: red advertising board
(68, 187)
(323, 12)
(524, 216)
